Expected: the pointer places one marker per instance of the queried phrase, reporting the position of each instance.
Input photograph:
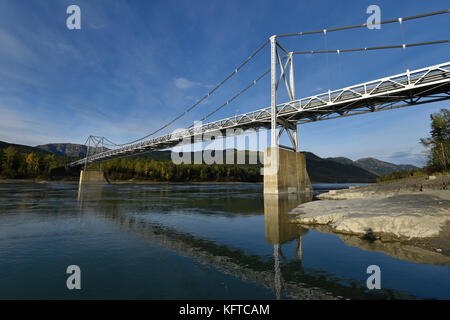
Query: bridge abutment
(285, 172)
(93, 177)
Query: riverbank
(388, 189)
(413, 211)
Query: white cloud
(12, 48)
(183, 83)
(406, 157)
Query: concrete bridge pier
(285, 172)
(92, 177)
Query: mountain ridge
(374, 165)
(65, 149)
(23, 148)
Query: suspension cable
(235, 96)
(301, 52)
(404, 46)
(239, 93)
(322, 51)
(374, 48)
(198, 101)
(339, 51)
(365, 24)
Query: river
(198, 241)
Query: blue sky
(136, 64)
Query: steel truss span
(407, 89)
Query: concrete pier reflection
(276, 208)
(279, 230)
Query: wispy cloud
(406, 157)
(13, 48)
(183, 83)
(18, 127)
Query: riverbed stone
(414, 215)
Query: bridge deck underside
(420, 86)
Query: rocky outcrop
(408, 216)
(383, 190)
(414, 212)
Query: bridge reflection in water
(285, 277)
(279, 230)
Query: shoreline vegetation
(388, 179)
(17, 164)
(38, 167)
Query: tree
(10, 162)
(438, 144)
(2, 155)
(34, 162)
(204, 174)
(50, 162)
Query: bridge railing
(410, 79)
(261, 118)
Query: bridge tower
(284, 166)
(93, 175)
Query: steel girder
(406, 89)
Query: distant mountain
(375, 166)
(65, 149)
(23, 149)
(326, 170)
(342, 160)
(79, 150)
(156, 155)
(381, 167)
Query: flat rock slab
(413, 215)
(388, 189)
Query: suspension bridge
(412, 87)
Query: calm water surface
(217, 241)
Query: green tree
(10, 162)
(2, 155)
(204, 174)
(50, 163)
(438, 144)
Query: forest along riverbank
(414, 211)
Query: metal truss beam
(415, 87)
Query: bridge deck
(416, 87)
